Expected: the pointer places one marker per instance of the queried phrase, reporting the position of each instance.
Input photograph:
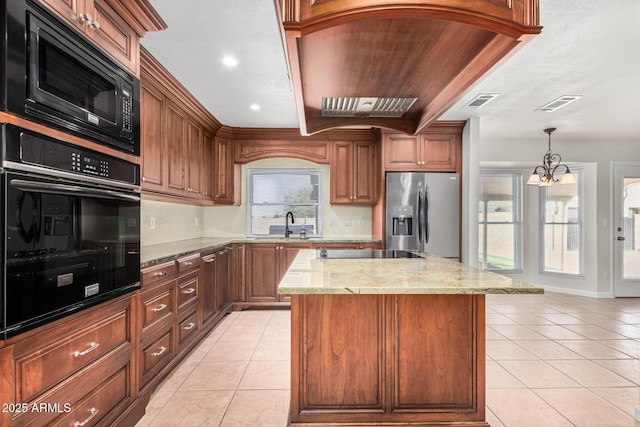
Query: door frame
(620, 287)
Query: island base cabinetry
(371, 360)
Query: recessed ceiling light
(255, 107)
(229, 61)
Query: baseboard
(577, 292)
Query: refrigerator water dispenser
(402, 220)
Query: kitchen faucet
(287, 232)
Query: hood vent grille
(366, 107)
(339, 107)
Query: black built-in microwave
(51, 74)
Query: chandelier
(543, 175)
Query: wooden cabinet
(182, 154)
(223, 178)
(153, 168)
(266, 264)
(406, 359)
(216, 281)
(208, 171)
(175, 137)
(353, 172)
(97, 21)
(222, 278)
(426, 152)
(158, 313)
(208, 278)
(72, 361)
(193, 160)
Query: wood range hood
(394, 64)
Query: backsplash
(168, 222)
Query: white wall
(177, 222)
(596, 158)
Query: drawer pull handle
(159, 308)
(93, 411)
(189, 263)
(161, 273)
(189, 326)
(209, 259)
(188, 291)
(160, 351)
(92, 347)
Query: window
(274, 192)
(561, 228)
(500, 222)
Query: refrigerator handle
(420, 219)
(427, 202)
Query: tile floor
(552, 360)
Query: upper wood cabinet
(99, 22)
(437, 149)
(181, 155)
(353, 174)
(175, 136)
(224, 177)
(193, 160)
(153, 168)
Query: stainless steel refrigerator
(423, 212)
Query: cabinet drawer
(110, 374)
(188, 263)
(187, 328)
(188, 291)
(42, 369)
(155, 356)
(158, 273)
(157, 305)
(94, 407)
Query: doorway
(626, 231)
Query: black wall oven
(51, 74)
(71, 229)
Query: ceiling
(587, 48)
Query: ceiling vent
(559, 103)
(366, 107)
(482, 99)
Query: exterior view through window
(274, 192)
(561, 227)
(500, 222)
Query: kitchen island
(384, 340)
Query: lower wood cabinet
(100, 366)
(266, 264)
(79, 368)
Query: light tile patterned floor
(552, 360)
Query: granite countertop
(154, 254)
(428, 275)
